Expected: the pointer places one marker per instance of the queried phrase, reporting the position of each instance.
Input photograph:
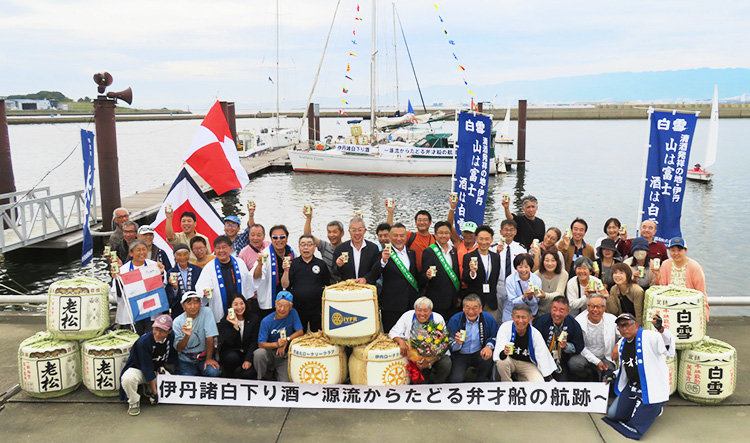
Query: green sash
(410, 278)
(446, 266)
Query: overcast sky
(188, 53)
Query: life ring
(320, 147)
(414, 121)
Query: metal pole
(395, 54)
(521, 148)
(644, 179)
(106, 147)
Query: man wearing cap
(599, 337)
(147, 357)
(188, 223)
(223, 276)
(529, 226)
(232, 230)
(682, 271)
(356, 258)
(146, 233)
(277, 330)
(182, 278)
(642, 384)
(466, 243)
(195, 343)
(119, 216)
(334, 232)
(656, 249)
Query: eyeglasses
(278, 237)
(625, 325)
(595, 306)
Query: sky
(186, 54)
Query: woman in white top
(554, 278)
(583, 284)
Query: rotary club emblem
(313, 372)
(395, 374)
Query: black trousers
(462, 362)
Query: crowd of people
(540, 304)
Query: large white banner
(541, 397)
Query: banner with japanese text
(472, 167)
(87, 146)
(668, 156)
(522, 396)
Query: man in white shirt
(508, 249)
(599, 336)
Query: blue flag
(668, 160)
(409, 108)
(472, 167)
(87, 146)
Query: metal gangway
(30, 217)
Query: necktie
(507, 261)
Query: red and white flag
(213, 154)
(186, 195)
(144, 290)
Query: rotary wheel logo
(395, 374)
(313, 373)
(337, 319)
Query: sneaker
(134, 409)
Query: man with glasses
(129, 233)
(119, 216)
(642, 384)
(356, 258)
(268, 269)
(599, 337)
(224, 276)
(306, 276)
(232, 230)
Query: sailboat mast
(713, 131)
(278, 124)
(373, 50)
(395, 54)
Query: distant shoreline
(593, 112)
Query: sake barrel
(47, 366)
(672, 364)
(707, 372)
(379, 363)
(78, 309)
(350, 313)
(314, 359)
(681, 309)
(103, 359)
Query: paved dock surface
(83, 417)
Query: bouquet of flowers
(429, 341)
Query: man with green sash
(398, 266)
(440, 272)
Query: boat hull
(340, 163)
(704, 177)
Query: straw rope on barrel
(350, 313)
(708, 372)
(312, 359)
(682, 311)
(103, 359)
(47, 366)
(78, 308)
(378, 363)
(672, 365)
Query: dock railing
(30, 217)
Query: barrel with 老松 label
(103, 359)
(47, 366)
(78, 309)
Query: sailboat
(251, 143)
(503, 141)
(699, 172)
(383, 151)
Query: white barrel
(379, 363)
(350, 313)
(708, 372)
(672, 364)
(78, 309)
(103, 359)
(314, 359)
(681, 309)
(48, 367)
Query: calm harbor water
(586, 169)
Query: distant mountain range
(689, 85)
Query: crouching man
(147, 357)
(642, 384)
(277, 330)
(520, 350)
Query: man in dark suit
(475, 274)
(398, 265)
(184, 279)
(357, 258)
(441, 286)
